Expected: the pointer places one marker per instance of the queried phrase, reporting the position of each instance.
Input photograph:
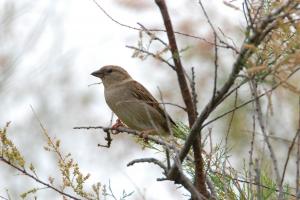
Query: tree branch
(187, 98)
(23, 171)
(132, 132)
(156, 30)
(245, 53)
(249, 101)
(153, 55)
(149, 160)
(266, 138)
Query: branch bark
(263, 28)
(187, 98)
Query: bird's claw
(144, 135)
(117, 125)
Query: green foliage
(8, 150)
(227, 181)
(72, 179)
(181, 130)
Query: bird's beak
(97, 74)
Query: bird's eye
(109, 71)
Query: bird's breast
(117, 97)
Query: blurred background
(48, 50)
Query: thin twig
(253, 40)
(193, 88)
(214, 31)
(111, 118)
(257, 179)
(94, 84)
(216, 68)
(153, 55)
(251, 153)
(153, 36)
(23, 171)
(249, 101)
(288, 155)
(170, 129)
(111, 18)
(132, 132)
(208, 20)
(154, 30)
(107, 138)
(111, 191)
(149, 160)
(266, 138)
(231, 119)
(298, 159)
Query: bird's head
(111, 75)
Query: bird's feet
(144, 134)
(118, 124)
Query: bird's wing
(143, 94)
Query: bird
(133, 104)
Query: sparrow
(132, 102)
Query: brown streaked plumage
(132, 102)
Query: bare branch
(182, 179)
(24, 172)
(289, 153)
(153, 55)
(216, 67)
(266, 138)
(193, 88)
(251, 150)
(154, 30)
(107, 138)
(253, 40)
(208, 20)
(298, 160)
(186, 94)
(149, 160)
(185, 182)
(187, 98)
(257, 179)
(249, 101)
(153, 36)
(215, 32)
(114, 20)
(132, 132)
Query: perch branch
(187, 98)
